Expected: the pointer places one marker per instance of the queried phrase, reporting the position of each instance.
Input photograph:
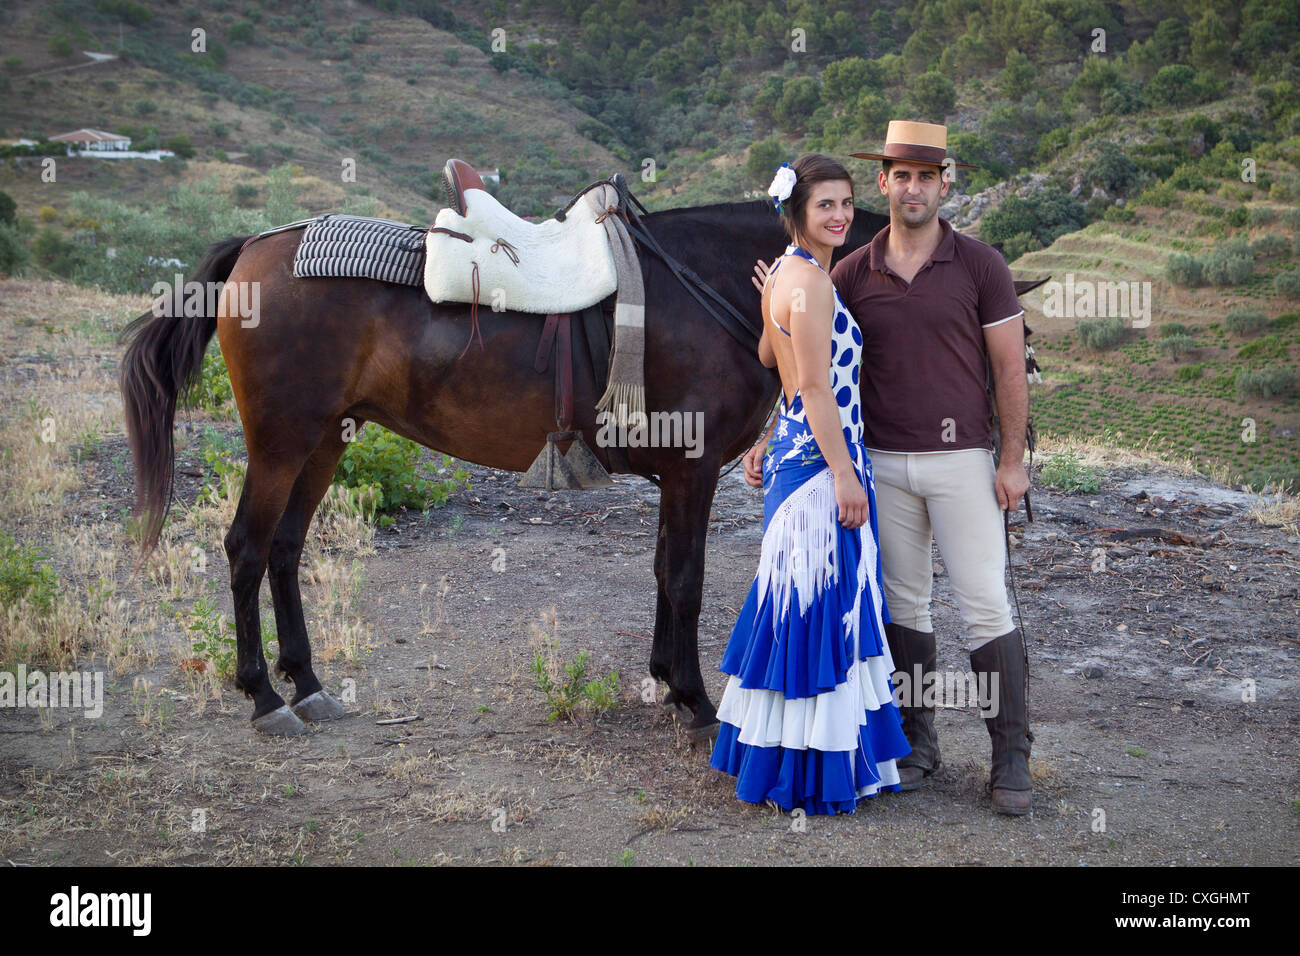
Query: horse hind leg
(310, 701)
(267, 488)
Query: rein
(725, 314)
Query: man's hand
(1011, 482)
(761, 269)
(753, 463)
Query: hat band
(911, 152)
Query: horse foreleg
(310, 700)
(661, 653)
(267, 487)
(685, 503)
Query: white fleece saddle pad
(563, 266)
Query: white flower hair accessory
(782, 185)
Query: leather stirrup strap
(543, 357)
(564, 374)
(473, 314)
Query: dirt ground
(1145, 751)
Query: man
(932, 304)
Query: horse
(324, 351)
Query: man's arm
(1005, 342)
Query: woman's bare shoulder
(797, 271)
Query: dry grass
(1283, 512)
(340, 632)
(1150, 456)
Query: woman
(808, 719)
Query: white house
(96, 139)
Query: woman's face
(829, 212)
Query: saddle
(480, 252)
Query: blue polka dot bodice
(793, 438)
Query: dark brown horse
(326, 350)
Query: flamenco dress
(808, 718)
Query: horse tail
(162, 360)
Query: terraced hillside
(1138, 394)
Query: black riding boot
(1009, 728)
(915, 655)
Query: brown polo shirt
(923, 354)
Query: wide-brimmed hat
(911, 142)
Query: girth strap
(557, 336)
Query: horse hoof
(704, 734)
(281, 722)
(676, 710)
(318, 706)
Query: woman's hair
(809, 169)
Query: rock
(1093, 672)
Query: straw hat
(911, 142)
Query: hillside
(1125, 126)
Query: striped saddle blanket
(338, 246)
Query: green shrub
(214, 640)
(1168, 329)
(1066, 472)
(1160, 195)
(1048, 214)
(389, 463)
(1287, 284)
(1176, 345)
(1101, 334)
(24, 574)
(180, 145)
(1270, 346)
(1229, 264)
(1287, 320)
(211, 390)
(565, 687)
(1019, 244)
(1265, 247)
(13, 249)
(1243, 321)
(1262, 215)
(1265, 382)
(225, 458)
(1236, 217)
(1184, 270)
(765, 156)
(1190, 373)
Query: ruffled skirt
(808, 717)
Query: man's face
(914, 191)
